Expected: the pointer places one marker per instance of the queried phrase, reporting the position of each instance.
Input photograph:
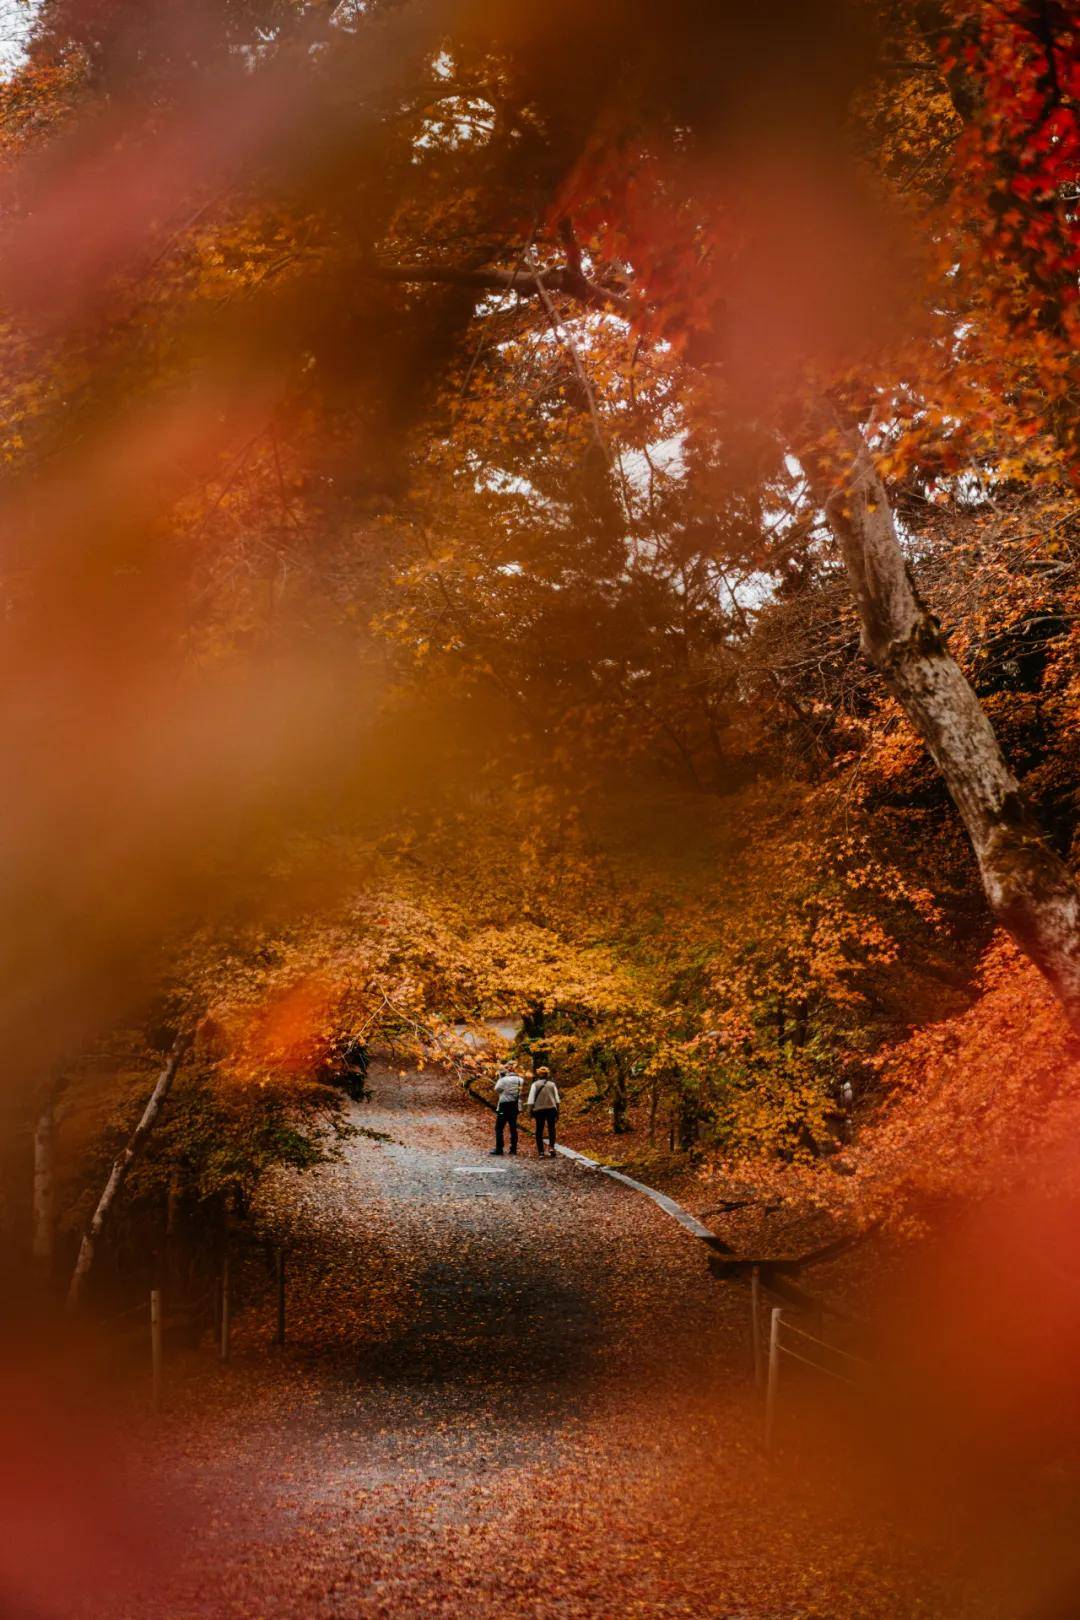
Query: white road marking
(668, 1205)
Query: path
(511, 1394)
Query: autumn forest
(541, 537)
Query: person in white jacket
(508, 1094)
(544, 1102)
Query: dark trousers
(506, 1114)
(545, 1116)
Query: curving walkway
(505, 1394)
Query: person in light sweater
(508, 1098)
(544, 1102)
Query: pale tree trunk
(44, 1198)
(121, 1165)
(1031, 891)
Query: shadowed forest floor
(509, 1394)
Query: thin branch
(526, 281)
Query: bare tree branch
(528, 281)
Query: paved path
(512, 1394)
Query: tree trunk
(44, 1202)
(1031, 891)
(619, 1103)
(121, 1166)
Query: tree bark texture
(620, 1103)
(1031, 891)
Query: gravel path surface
(505, 1394)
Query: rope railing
(118, 1316)
(828, 1372)
(779, 1325)
(833, 1349)
(220, 1294)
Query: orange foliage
(286, 1035)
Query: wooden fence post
(279, 1263)
(225, 1309)
(155, 1346)
(774, 1375)
(755, 1323)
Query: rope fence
(779, 1325)
(220, 1296)
(833, 1349)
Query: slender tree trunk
(121, 1165)
(44, 1198)
(619, 1103)
(1031, 891)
